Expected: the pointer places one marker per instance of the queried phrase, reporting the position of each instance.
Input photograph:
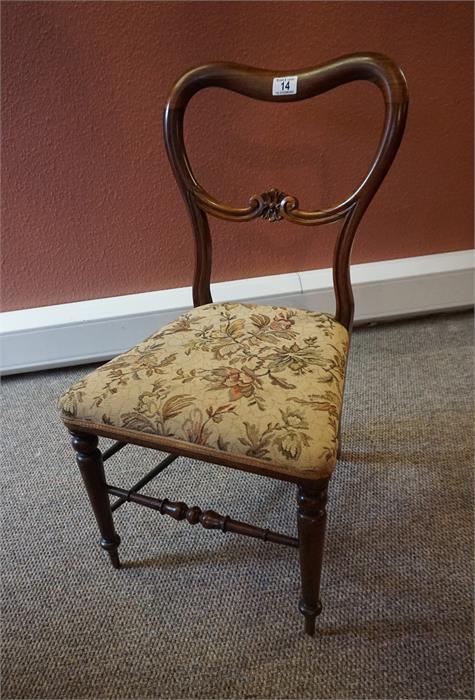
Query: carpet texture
(197, 614)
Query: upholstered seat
(258, 382)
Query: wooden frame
(273, 206)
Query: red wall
(90, 208)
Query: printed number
(285, 85)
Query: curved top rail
(257, 82)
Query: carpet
(199, 614)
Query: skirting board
(96, 330)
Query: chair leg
(311, 518)
(89, 460)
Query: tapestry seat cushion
(260, 381)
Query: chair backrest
(274, 205)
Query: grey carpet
(196, 614)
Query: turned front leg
(89, 460)
(311, 519)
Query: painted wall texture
(90, 208)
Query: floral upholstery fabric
(260, 381)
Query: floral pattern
(261, 381)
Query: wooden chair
(255, 388)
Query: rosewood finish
(311, 521)
(90, 463)
(272, 205)
(257, 83)
(144, 481)
(209, 519)
(113, 449)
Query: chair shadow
(381, 440)
(376, 629)
(227, 553)
(384, 628)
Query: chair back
(274, 205)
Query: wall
(90, 208)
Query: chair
(256, 388)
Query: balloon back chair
(256, 388)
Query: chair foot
(89, 460)
(311, 519)
(111, 549)
(310, 615)
(310, 626)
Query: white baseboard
(86, 331)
